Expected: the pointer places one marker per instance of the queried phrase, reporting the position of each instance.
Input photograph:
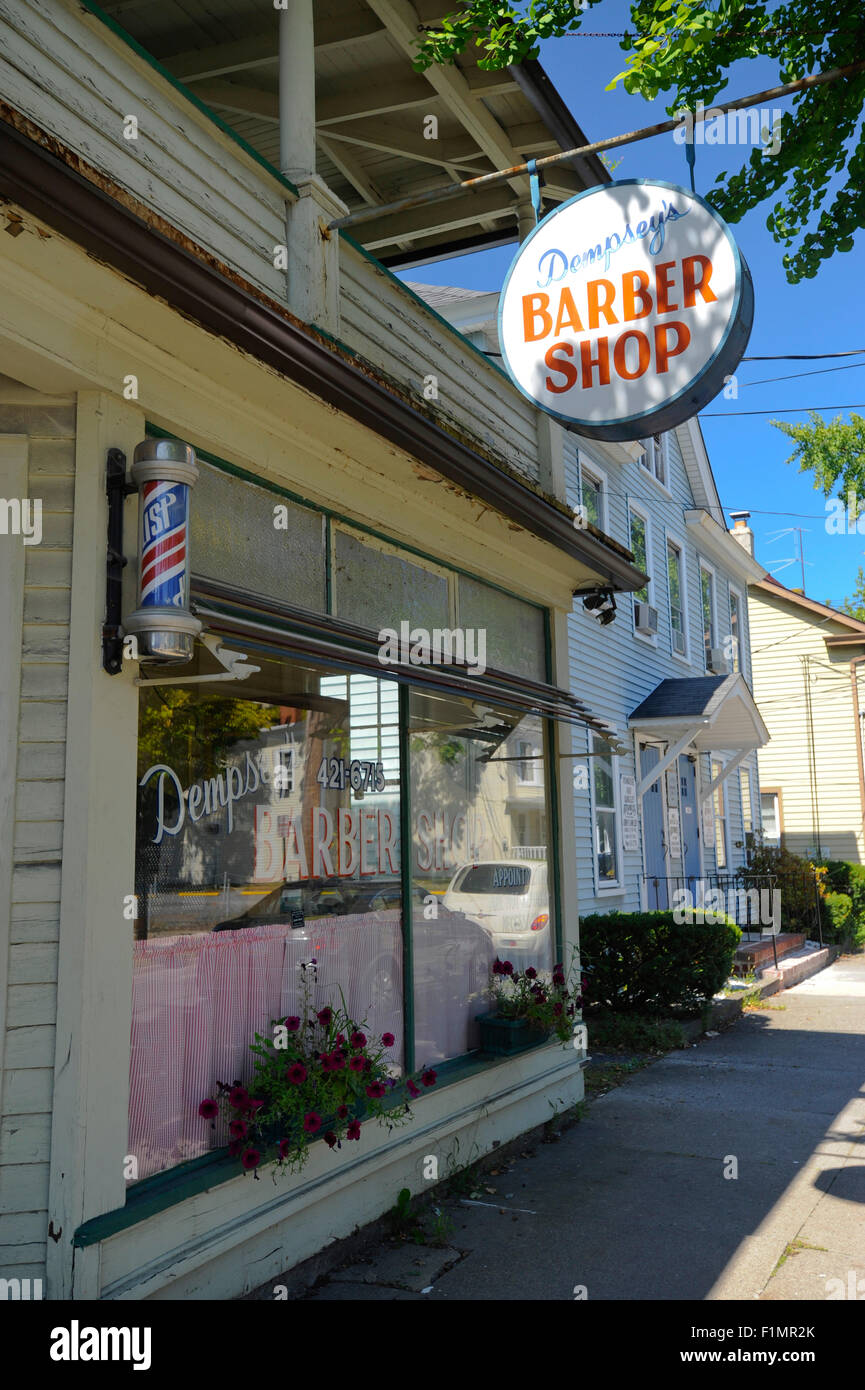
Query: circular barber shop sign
(625, 309)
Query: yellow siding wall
(787, 641)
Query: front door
(654, 840)
(690, 823)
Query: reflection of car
(510, 899)
(293, 904)
(451, 954)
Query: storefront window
(268, 834)
(481, 873)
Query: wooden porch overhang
(703, 714)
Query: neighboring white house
(669, 668)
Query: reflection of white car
(510, 899)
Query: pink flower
(356, 1063)
(238, 1129)
(358, 1039)
(342, 1112)
(311, 1122)
(388, 1039)
(296, 1073)
(254, 1105)
(375, 1090)
(324, 1016)
(429, 1077)
(250, 1159)
(208, 1109)
(412, 1089)
(531, 973)
(238, 1096)
(337, 1061)
(330, 1139)
(292, 1024)
(284, 1148)
(353, 1131)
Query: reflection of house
(808, 661)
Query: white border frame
(733, 591)
(720, 763)
(606, 890)
(643, 512)
(603, 478)
(713, 573)
(670, 539)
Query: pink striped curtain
(198, 1000)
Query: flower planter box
(503, 1037)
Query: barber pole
(164, 470)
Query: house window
(591, 494)
(735, 629)
(639, 547)
(720, 818)
(745, 791)
(530, 766)
(605, 815)
(283, 772)
(770, 814)
(654, 457)
(707, 604)
(677, 601)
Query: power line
(795, 376)
(803, 356)
(784, 410)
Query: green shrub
(647, 962)
(795, 879)
(848, 881)
(837, 908)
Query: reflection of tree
(449, 749)
(191, 732)
(186, 728)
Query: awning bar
(451, 190)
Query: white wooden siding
(383, 320)
(77, 80)
(783, 635)
(612, 670)
(30, 999)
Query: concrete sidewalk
(633, 1203)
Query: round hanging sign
(626, 309)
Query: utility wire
(794, 376)
(783, 410)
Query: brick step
(753, 955)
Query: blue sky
(820, 315)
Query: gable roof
(778, 590)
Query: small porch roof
(719, 709)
